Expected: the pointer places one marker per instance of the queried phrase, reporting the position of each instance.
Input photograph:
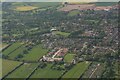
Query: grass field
(73, 13)
(36, 53)
(25, 8)
(105, 3)
(77, 70)
(24, 71)
(3, 45)
(16, 52)
(69, 57)
(62, 33)
(11, 48)
(47, 72)
(8, 66)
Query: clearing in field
(25, 8)
(47, 72)
(8, 66)
(24, 71)
(35, 54)
(77, 70)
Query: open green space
(73, 13)
(18, 51)
(62, 33)
(8, 65)
(77, 70)
(24, 71)
(12, 48)
(26, 6)
(36, 53)
(69, 57)
(3, 45)
(105, 3)
(47, 72)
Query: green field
(77, 70)
(8, 66)
(47, 72)
(62, 33)
(11, 48)
(24, 71)
(73, 13)
(105, 3)
(20, 6)
(14, 54)
(3, 45)
(69, 57)
(36, 53)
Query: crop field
(36, 53)
(77, 70)
(69, 57)
(12, 48)
(62, 33)
(8, 66)
(25, 8)
(23, 71)
(73, 13)
(47, 72)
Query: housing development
(60, 40)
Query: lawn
(73, 13)
(62, 33)
(47, 72)
(8, 66)
(24, 71)
(77, 70)
(12, 48)
(36, 53)
(25, 8)
(69, 57)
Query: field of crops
(25, 8)
(24, 71)
(36, 53)
(77, 70)
(47, 72)
(8, 65)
